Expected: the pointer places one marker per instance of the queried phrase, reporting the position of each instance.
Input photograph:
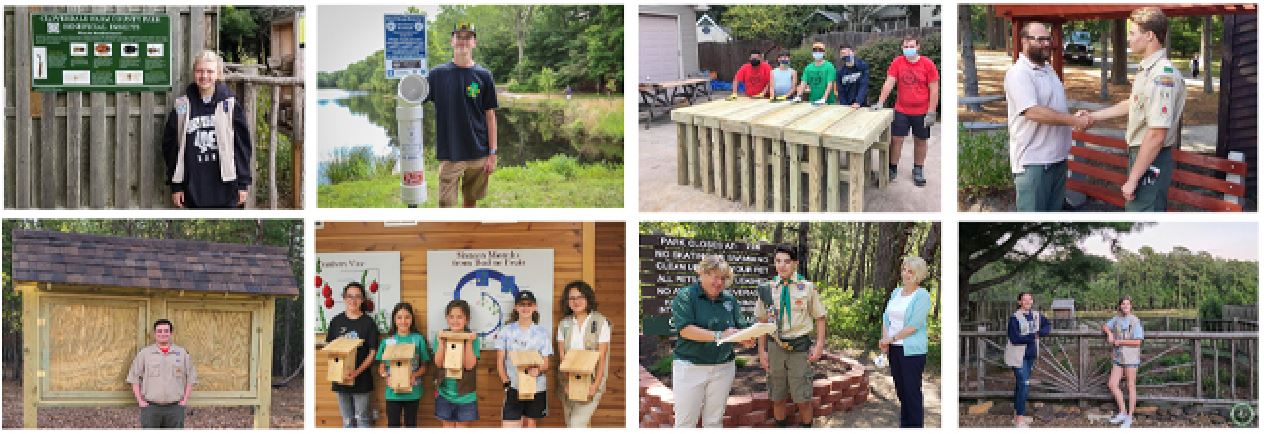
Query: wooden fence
(103, 149)
(1195, 367)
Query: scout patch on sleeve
(1165, 81)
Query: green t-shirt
(419, 345)
(447, 389)
(818, 77)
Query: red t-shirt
(755, 78)
(914, 79)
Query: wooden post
(30, 353)
(796, 176)
(122, 173)
(778, 176)
(272, 144)
(814, 177)
(1084, 363)
(263, 411)
(23, 151)
(74, 136)
(717, 160)
(149, 150)
(48, 151)
(730, 164)
(981, 347)
(761, 174)
(856, 182)
(682, 149)
(1198, 366)
(1233, 361)
(691, 138)
(745, 168)
(705, 142)
(590, 252)
(99, 152)
(249, 108)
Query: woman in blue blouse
(904, 339)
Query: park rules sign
(101, 52)
(667, 265)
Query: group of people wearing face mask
(820, 82)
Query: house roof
(832, 16)
(82, 259)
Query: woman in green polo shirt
(702, 372)
(401, 408)
(904, 339)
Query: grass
(559, 182)
(586, 116)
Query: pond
(353, 119)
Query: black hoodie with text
(203, 186)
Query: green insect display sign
(101, 52)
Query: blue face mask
(910, 52)
(849, 59)
(818, 55)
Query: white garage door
(660, 48)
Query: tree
(1015, 246)
(970, 74)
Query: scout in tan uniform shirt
(1154, 114)
(162, 376)
(796, 308)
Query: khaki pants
(469, 175)
(578, 414)
(701, 391)
(789, 374)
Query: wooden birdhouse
(341, 353)
(522, 361)
(399, 360)
(580, 367)
(454, 352)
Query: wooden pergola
(1056, 15)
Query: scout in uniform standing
(1039, 125)
(797, 310)
(1154, 114)
(162, 377)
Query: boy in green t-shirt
(401, 408)
(818, 77)
(454, 408)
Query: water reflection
(351, 119)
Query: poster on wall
(488, 279)
(102, 52)
(377, 271)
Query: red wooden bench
(1111, 167)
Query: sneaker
(1119, 418)
(891, 173)
(1022, 422)
(918, 179)
(1127, 422)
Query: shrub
(983, 161)
(663, 366)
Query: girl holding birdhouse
(353, 391)
(402, 355)
(523, 348)
(583, 328)
(456, 355)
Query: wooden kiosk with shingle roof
(89, 302)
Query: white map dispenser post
(409, 115)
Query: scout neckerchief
(784, 311)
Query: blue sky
(1224, 240)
